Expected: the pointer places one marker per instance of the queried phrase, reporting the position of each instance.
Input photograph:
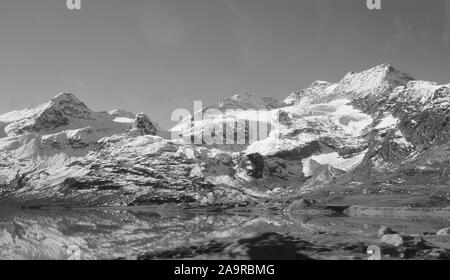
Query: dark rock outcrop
(143, 126)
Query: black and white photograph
(225, 130)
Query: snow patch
(400, 139)
(388, 121)
(333, 159)
(353, 121)
(273, 144)
(123, 120)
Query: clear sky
(154, 56)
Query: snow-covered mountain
(373, 85)
(379, 124)
(54, 133)
(247, 101)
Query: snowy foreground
(376, 139)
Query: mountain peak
(240, 96)
(374, 83)
(374, 77)
(384, 66)
(319, 83)
(317, 90)
(65, 96)
(248, 101)
(382, 70)
(67, 105)
(143, 126)
(57, 112)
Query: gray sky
(153, 56)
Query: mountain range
(371, 137)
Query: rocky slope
(375, 127)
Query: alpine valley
(375, 145)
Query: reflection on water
(125, 234)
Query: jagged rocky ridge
(380, 125)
